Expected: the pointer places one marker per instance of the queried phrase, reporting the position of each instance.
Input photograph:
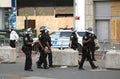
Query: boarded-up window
(29, 23)
(115, 30)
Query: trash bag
(97, 45)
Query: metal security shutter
(102, 30)
(102, 19)
(102, 10)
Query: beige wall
(50, 21)
(89, 14)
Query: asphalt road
(16, 71)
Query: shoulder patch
(71, 36)
(85, 37)
(26, 38)
(39, 35)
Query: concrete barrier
(7, 54)
(67, 57)
(112, 59)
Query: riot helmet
(47, 29)
(42, 28)
(90, 30)
(28, 31)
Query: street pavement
(16, 70)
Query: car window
(65, 34)
(55, 35)
(81, 34)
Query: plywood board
(115, 30)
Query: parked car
(60, 39)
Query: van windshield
(55, 35)
(65, 34)
(81, 34)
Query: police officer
(92, 47)
(50, 53)
(13, 37)
(43, 42)
(86, 52)
(28, 41)
(73, 40)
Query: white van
(61, 38)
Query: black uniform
(92, 46)
(49, 54)
(43, 55)
(27, 51)
(74, 41)
(86, 52)
(12, 43)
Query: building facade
(102, 15)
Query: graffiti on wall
(12, 17)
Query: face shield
(42, 28)
(28, 32)
(47, 30)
